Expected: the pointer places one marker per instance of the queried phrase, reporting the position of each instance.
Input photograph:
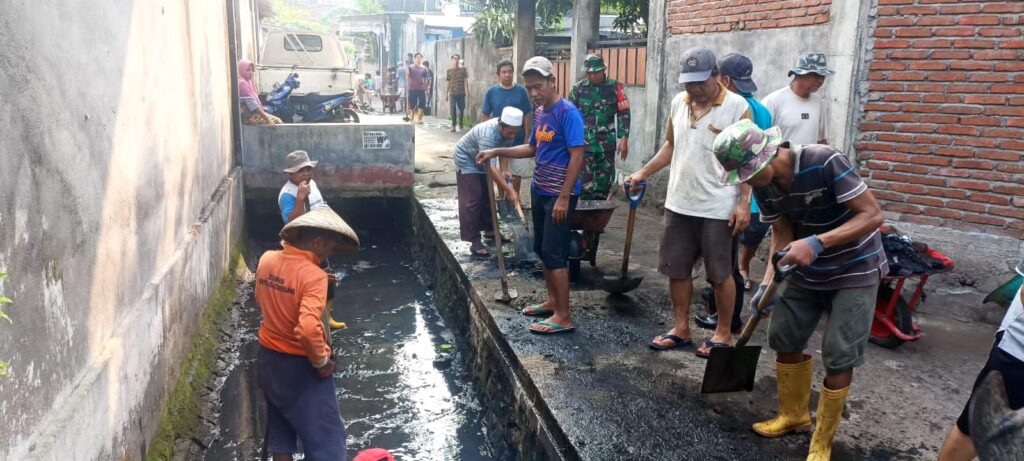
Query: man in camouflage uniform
(605, 109)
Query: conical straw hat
(322, 218)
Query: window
(311, 43)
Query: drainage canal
(404, 380)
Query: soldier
(600, 99)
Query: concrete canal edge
(180, 419)
(516, 416)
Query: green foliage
(289, 17)
(496, 20)
(632, 17)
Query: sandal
(504, 238)
(676, 342)
(747, 283)
(555, 328)
(708, 345)
(478, 250)
(536, 311)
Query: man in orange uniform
(294, 366)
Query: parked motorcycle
(311, 108)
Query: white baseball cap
(538, 64)
(511, 116)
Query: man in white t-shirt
(798, 109)
(702, 217)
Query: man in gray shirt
(474, 206)
(826, 220)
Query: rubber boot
(410, 116)
(333, 324)
(830, 411)
(419, 116)
(794, 383)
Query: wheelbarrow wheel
(574, 270)
(902, 318)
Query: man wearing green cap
(605, 108)
(826, 222)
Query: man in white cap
(474, 202)
(294, 365)
(797, 108)
(557, 142)
(702, 217)
(299, 196)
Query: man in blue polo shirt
(557, 143)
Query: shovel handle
(769, 293)
(634, 199)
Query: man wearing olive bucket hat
(298, 196)
(826, 220)
(294, 367)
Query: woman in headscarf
(249, 99)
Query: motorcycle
(311, 108)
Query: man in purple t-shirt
(557, 143)
(418, 76)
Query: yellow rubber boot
(419, 116)
(794, 383)
(830, 411)
(333, 324)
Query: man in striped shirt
(826, 220)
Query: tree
(496, 18)
(286, 16)
(632, 15)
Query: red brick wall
(699, 16)
(943, 132)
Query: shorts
(755, 232)
(689, 238)
(1013, 378)
(522, 167)
(300, 406)
(550, 241)
(417, 99)
(850, 311)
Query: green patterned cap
(593, 63)
(744, 150)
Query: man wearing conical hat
(294, 367)
(826, 220)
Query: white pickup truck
(318, 58)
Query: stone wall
(118, 210)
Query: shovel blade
(620, 285)
(506, 298)
(731, 369)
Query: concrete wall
(481, 62)
(117, 210)
(348, 167)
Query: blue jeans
(300, 406)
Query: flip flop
(677, 342)
(710, 345)
(556, 328)
(536, 311)
(504, 238)
(478, 250)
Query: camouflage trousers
(599, 174)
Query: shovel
(506, 295)
(524, 238)
(732, 369)
(624, 284)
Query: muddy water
(401, 386)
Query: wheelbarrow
(893, 322)
(588, 223)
